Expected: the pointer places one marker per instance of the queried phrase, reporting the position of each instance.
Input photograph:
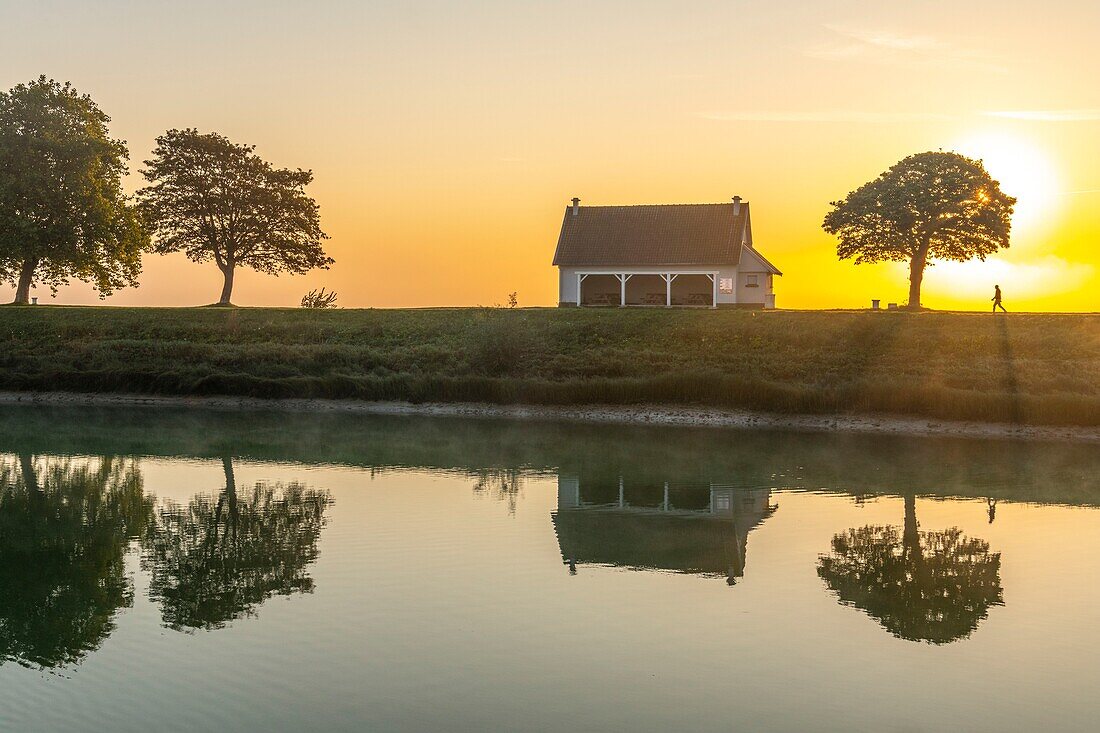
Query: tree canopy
(921, 586)
(63, 214)
(213, 199)
(220, 557)
(929, 206)
(64, 530)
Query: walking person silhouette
(997, 299)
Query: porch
(648, 289)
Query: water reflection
(504, 485)
(680, 501)
(218, 558)
(64, 530)
(933, 586)
(657, 524)
(66, 525)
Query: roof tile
(662, 234)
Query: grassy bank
(1040, 369)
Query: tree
(928, 206)
(921, 586)
(62, 210)
(65, 527)
(218, 559)
(215, 200)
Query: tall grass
(1038, 369)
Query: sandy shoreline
(605, 414)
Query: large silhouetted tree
(921, 586)
(215, 200)
(64, 530)
(928, 206)
(219, 558)
(63, 214)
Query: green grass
(1038, 369)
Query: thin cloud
(891, 46)
(841, 116)
(1047, 115)
(859, 41)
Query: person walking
(997, 299)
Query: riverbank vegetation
(1034, 369)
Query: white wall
(747, 294)
(753, 265)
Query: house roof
(662, 234)
(640, 539)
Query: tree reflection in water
(921, 586)
(505, 485)
(64, 531)
(218, 558)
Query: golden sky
(447, 137)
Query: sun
(1023, 170)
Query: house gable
(753, 261)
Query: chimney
(736, 205)
(576, 205)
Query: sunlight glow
(1023, 170)
(970, 284)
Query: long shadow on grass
(1009, 381)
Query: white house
(663, 255)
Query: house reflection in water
(657, 525)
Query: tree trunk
(916, 275)
(911, 532)
(231, 526)
(230, 478)
(30, 476)
(26, 275)
(227, 289)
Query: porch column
(622, 290)
(580, 279)
(668, 290)
(714, 290)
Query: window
(725, 285)
(752, 281)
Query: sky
(446, 138)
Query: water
(182, 570)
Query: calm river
(178, 570)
